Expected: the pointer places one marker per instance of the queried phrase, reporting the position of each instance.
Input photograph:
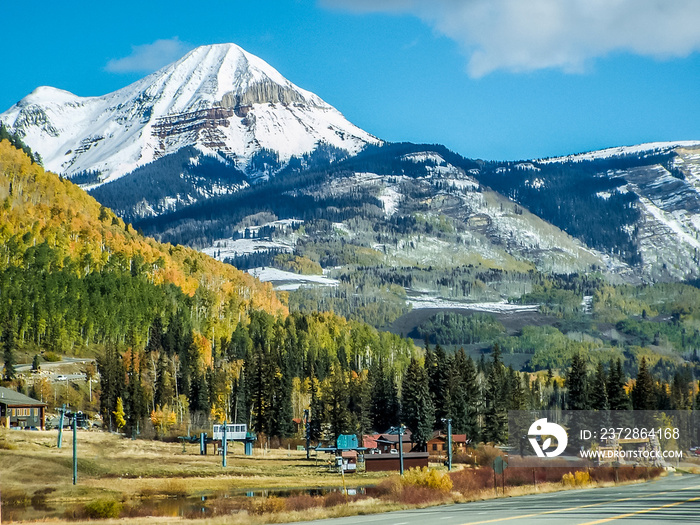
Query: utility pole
(62, 410)
(223, 447)
(400, 451)
(399, 430)
(75, 448)
(449, 444)
(307, 428)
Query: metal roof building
(20, 411)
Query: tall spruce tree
(643, 393)
(438, 379)
(359, 402)
(9, 347)
(577, 384)
(317, 408)
(112, 379)
(458, 406)
(337, 400)
(280, 395)
(384, 404)
(495, 427)
(617, 397)
(599, 390)
(417, 410)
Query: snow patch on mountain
(289, 281)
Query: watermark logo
(542, 427)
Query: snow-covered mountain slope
(661, 182)
(668, 231)
(621, 151)
(218, 98)
(418, 210)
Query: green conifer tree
(643, 393)
(9, 344)
(495, 400)
(577, 384)
(417, 410)
(599, 390)
(617, 397)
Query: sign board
(347, 442)
(499, 465)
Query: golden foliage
(430, 478)
(38, 206)
(579, 478)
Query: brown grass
(140, 476)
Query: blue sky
(492, 79)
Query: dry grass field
(113, 467)
(141, 481)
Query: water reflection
(204, 505)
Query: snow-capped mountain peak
(218, 98)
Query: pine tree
(617, 397)
(577, 384)
(458, 406)
(336, 399)
(495, 405)
(280, 395)
(550, 377)
(438, 380)
(317, 408)
(112, 382)
(360, 402)
(9, 344)
(516, 393)
(495, 400)
(643, 393)
(599, 389)
(417, 410)
(257, 377)
(384, 405)
(164, 392)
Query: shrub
(51, 357)
(485, 454)
(418, 495)
(266, 505)
(429, 478)
(6, 445)
(16, 498)
(333, 499)
(390, 485)
(465, 457)
(303, 502)
(576, 479)
(471, 481)
(103, 509)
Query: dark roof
(440, 436)
(13, 398)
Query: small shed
(20, 411)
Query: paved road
(674, 499)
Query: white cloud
(527, 35)
(149, 57)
